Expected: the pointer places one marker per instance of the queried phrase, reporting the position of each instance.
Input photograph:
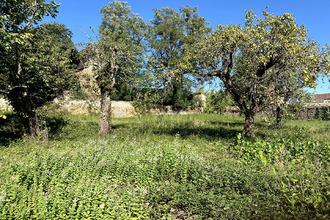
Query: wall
(4, 105)
(122, 109)
(320, 110)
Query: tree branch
(263, 68)
(4, 92)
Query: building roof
(320, 98)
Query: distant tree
(297, 101)
(257, 62)
(171, 37)
(289, 92)
(35, 62)
(217, 101)
(118, 54)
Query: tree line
(264, 61)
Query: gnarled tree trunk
(105, 117)
(34, 128)
(279, 114)
(249, 124)
(26, 109)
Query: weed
(167, 167)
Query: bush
(183, 99)
(216, 102)
(299, 167)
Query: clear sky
(314, 14)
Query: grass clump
(170, 167)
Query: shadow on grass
(215, 132)
(206, 127)
(6, 137)
(55, 124)
(10, 129)
(71, 130)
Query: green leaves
(171, 39)
(35, 61)
(118, 54)
(157, 167)
(18, 15)
(263, 61)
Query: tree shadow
(119, 126)
(55, 124)
(217, 132)
(7, 137)
(10, 129)
(218, 123)
(70, 130)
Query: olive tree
(261, 60)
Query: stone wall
(320, 110)
(232, 110)
(122, 109)
(4, 105)
(169, 110)
(309, 111)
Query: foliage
(296, 165)
(327, 115)
(118, 54)
(161, 167)
(121, 42)
(171, 36)
(182, 99)
(36, 63)
(257, 61)
(298, 100)
(167, 167)
(217, 102)
(122, 92)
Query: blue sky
(315, 15)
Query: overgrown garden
(205, 166)
(175, 167)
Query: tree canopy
(35, 59)
(118, 54)
(261, 60)
(171, 36)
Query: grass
(167, 167)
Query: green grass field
(166, 167)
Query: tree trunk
(249, 124)
(177, 86)
(105, 117)
(34, 128)
(30, 123)
(26, 109)
(279, 114)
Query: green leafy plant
(166, 166)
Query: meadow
(167, 167)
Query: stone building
(322, 98)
